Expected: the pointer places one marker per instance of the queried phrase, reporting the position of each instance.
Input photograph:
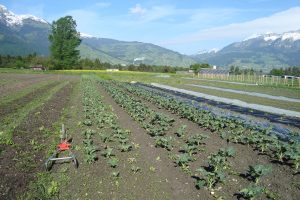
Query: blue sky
(186, 26)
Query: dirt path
(20, 163)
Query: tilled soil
(95, 181)
(13, 106)
(159, 177)
(20, 162)
(17, 82)
(281, 181)
(177, 183)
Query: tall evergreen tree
(64, 39)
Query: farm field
(134, 142)
(183, 83)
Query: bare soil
(12, 107)
(19, 163)
(17, 82)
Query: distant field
(180, 82)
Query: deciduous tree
(64, 40)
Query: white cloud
(153, 13)
(279, 22)
(137, 9)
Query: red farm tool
(63, 147)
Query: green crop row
(232, 130)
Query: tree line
(291, 71)
(26, 62)
(64, 40)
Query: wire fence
(255, 79)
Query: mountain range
(263, 51)
(24, 34)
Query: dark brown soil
(95, 181)
(17, 82)
(159, 177)
(282, 180)
(16, 104)
(178, 184)
(20, 162)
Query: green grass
(246, 98)
(271, 90)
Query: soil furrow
(17, 83)
(30, 143)
(245, 156)
(180, 185)
(15, 105)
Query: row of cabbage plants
(100, 121)
(287, 152)
(219, 167)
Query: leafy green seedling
(280, 149)
(125, 147)
(183, 159)
(87, 122)
(108, 152)
(190, 149)
(164, 142)
(209, 179)
(196, 139)
(90, 154)
(251, 192)
(113, 162)
(219, 160)
(181, 131)
(88, 133)
(106, 137)
(257, 171)
(295, 158)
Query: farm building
(188, 72)
(112, 70)
(289, 77)
(214, 72)
(38, 67)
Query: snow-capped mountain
(292, 36)
(10, 19)
(24, 34)
(85, 35)
(267, 51)
(214, 50)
